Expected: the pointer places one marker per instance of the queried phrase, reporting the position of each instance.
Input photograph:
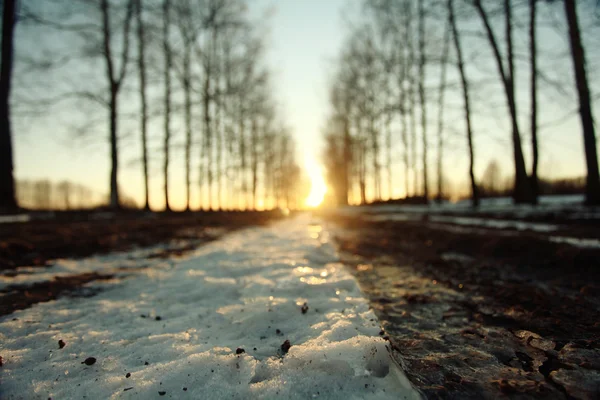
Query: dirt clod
(304, 308)
(285, 347)
(89, 361)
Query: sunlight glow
(318, 188)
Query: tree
(167, 98)
(115, 81)
(440, 127)
(465, 91)
(534, 107)
(141, 39)
(522, 189)
(491, 180)
(592, 186)
(7, 183)
(422, 65)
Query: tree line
(189, 73)
(401, 62)
(44, 194)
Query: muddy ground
(470, 312)
(76, 235)
(481, 313)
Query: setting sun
(318, 188)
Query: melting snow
(174, 329)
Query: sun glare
(318, 188)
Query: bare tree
(465, 90)
(534, 106)
(141, 39)
(440, 127)
(592, 187)
(522, 190)
(167, 115)
(115, 79)
(410, 79)
(422, 65)
(7, 182)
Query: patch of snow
(468, 221)
(496, 223)
(392, 217)
(11, 219)
(450, 256)
(577, 242)
(573, 204)
(244, 291)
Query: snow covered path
(174, 329)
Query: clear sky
(304, 37)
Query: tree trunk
(347, 160)
(188, 126)
(465, 90)
(388, 129)
(440, 133)
(167, 72)
(411, 101)
(254, 160)
(143, 99)
(219, 146)
(7, 183)
(422, 61)
(206, 148)
(534, 139)
(592, 187)
(114, 156)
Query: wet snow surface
(215, 324)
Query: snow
(503, 207)
(496, 223)
(244, 291)
(11, 219)
(577, 242)
(470, 221)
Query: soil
(76, 235)
(481, 313)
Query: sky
(303, 39)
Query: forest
(186, 77)
(417, 80)
(414, 82)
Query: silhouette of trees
(43, 194)
(394, 91)
(491, 181)
(201, 71)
